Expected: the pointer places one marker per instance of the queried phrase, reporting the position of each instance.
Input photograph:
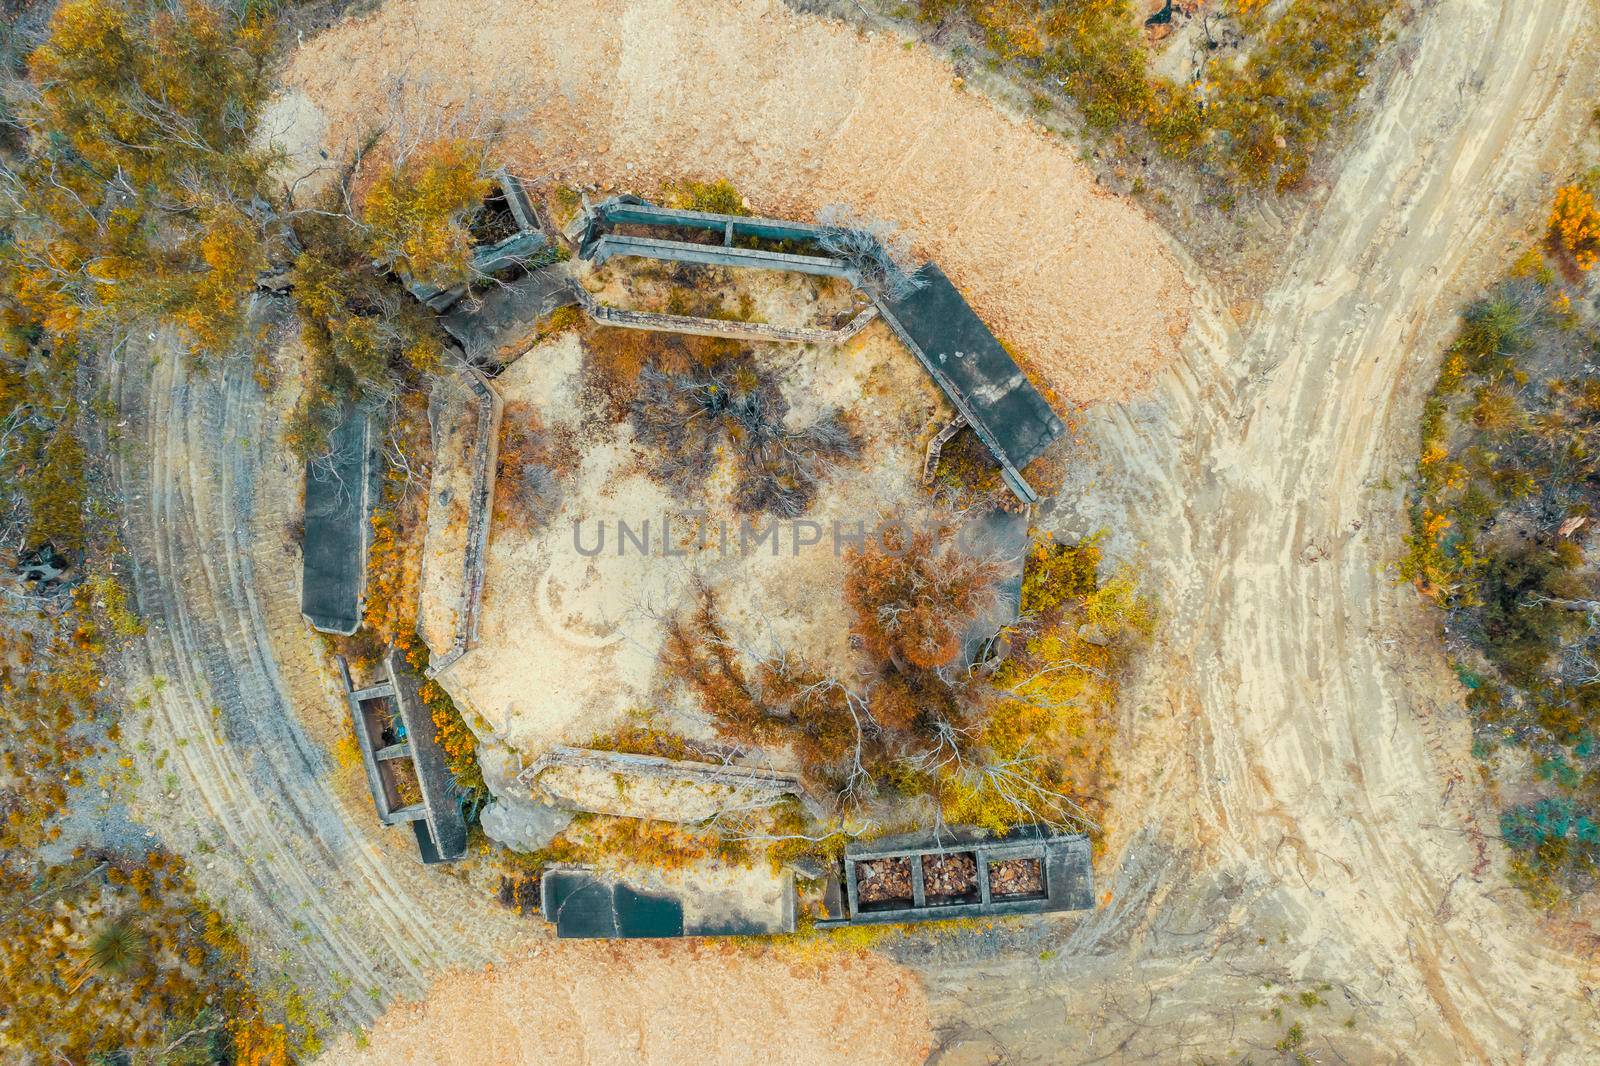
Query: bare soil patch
(569, 639)
(799, 113)
(662, 1003)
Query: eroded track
(1299, 807)
(232, 743)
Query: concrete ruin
(588, 904)
(498, 324)
(480, 509)
(969, 364)
(716, 327)
(1060, 878)
(339, 495)
(532, 804)
(673, 790)
(400, 752)
(526, 247)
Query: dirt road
(234, 714)
(1299, 816)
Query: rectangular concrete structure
(1064, 860)
(612, 245)
(969, 364)
(696, 326)
(757, 787)
(623, 210)
(587, 904)
(480, 510)
(333, 555)
(392, 724)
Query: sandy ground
(799, 113)
(661, 1003)
(1300, 812)
(569, 643)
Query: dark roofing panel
(504, 322)
(641, 914)
(335, 531)
(584, 906)
(959, 345)
(448, 826)
(425, 847)
(581, 906)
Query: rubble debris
(883, 880)
(1016, 877)
(950, 878)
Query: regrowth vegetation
(1010, 727)
(107, 956)
(1503, 539)
(1265, 91)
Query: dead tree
(876, 250)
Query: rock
(511, 817)
(1093, 634)
(523, 825)
(280, 281)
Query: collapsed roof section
(972, 368)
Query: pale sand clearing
(799, 113)
(663, 1003)
(568, 644)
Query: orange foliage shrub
(420, 211)
(777, 703)
(530, 466)
(914, 598)
(1575, 225)
(614, 359)
(49, 677)
(399, 525)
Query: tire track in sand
(1297, 768)
(246, 794)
